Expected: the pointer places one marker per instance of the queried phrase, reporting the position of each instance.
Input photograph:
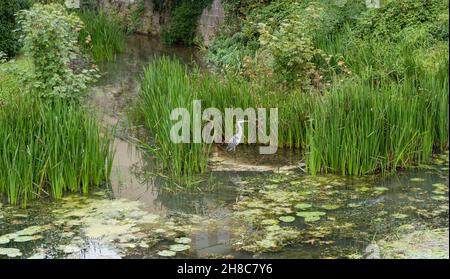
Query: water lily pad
(127, 245)
(312, 219)
(4, 239)
(143, 244)
(183, 240)
(167, 253)
(287, 219)
(266, 243)
(37, 256)
(306, 214)
(303, 206)
(20, 215)
(439, 192)
(33, 230)
(305, 193)
(273, 228)
(331, 206)
(26, 238)
(269, 222)
(67, 234)
(440, 186)
(439, 198)
(179, 247)
(312, 216)
(69, 249)
(160, 230)
(110, 231)
(282, 210)
(417, 179)
(354, 205)
(10, 252)
(399, 216)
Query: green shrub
(9, 39)
(11, 74)
(389, 20)
(439, 28)
(291, 30)
(50, 36)
(228, 52)
(245, 7)
(292, 50)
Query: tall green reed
(49, 148)
(166, 86)
(359, 129)
(106, 33)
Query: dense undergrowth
(49, 144)
(359, 90)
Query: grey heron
(236, 139)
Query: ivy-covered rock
(184, 21)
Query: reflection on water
(239, 216)
(110, 99)
(230, 220)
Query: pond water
(248, 207)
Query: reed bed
(107, 35)
(49, 148)
(359, 129)
(355, 128)
(166, 86)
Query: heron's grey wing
(234, 141)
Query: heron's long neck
(240, 129)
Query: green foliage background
(184, 15)
(9, 40)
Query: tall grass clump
(359, 129)
(103, 35)
(166, 86)
(48, 148)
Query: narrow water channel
(248, 207)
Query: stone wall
(209, 22)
